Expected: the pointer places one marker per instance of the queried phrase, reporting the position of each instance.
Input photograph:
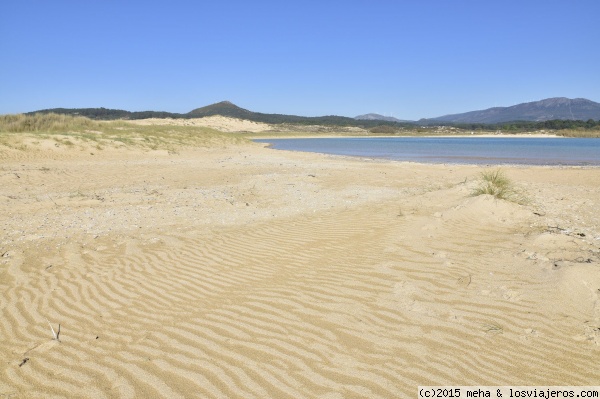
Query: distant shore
(341, 135)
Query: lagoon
(462, 150)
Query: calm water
(472, 150)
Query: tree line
(331, 120)
(523, 126)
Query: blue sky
(409, 59)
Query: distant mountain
(559, 108)
(537, 111)
(378, 117)
(223, 108)
(226, 108)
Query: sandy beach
(238, 271)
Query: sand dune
(246, 272)
(221, 123)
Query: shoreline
(327, 136)
(447, 160)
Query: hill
(226, 108)
(223, 108)
(558, 108)
(378, 117)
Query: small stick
(52, 199)
(53, 333)
(56, 335)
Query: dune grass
(46, 123)
(496, 184)
(78, 131)
(579, 133)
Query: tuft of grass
(496, 184)
(492, 328)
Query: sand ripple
(358, 302)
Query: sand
(222, 123)
(247, 272)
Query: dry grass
(46, 123)
(25, 132)
(496, 183)
(587, 133)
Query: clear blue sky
(410, 59)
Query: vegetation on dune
(77, 130)
(581, 133)
(567, 128)
(496, 184)
(44, 123)
(383, 129)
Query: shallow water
(464, 150)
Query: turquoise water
(466, 150)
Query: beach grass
(579, 133)
(498, 185)
(24, 132)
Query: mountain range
(559, 108)
(378, 117)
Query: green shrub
(383, 129)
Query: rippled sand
(245, 272)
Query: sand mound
(487, 209)
(221, 123)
